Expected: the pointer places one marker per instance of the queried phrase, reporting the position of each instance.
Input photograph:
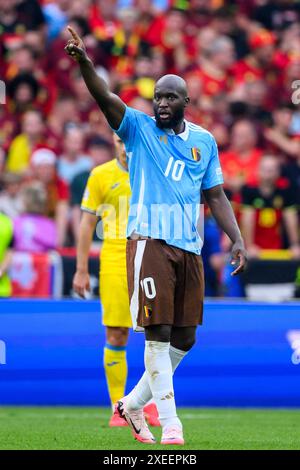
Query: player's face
(168, 106)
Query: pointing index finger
(74, 34)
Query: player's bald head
(174, 83)
(169, 101)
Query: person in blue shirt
(170, 162)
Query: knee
(160, 333)
(184, 344)
(117, 336)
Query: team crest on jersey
(148, 311)
(196, 154)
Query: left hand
(239, 257)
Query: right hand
(81, 283)
(75, 46)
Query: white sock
(141, 394)
(176, 356)
(159, 368)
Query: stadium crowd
(241, 61)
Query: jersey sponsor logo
(196, 154)
(163, 138)
(113, 363)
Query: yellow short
(114, 297)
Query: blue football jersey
(167, 173)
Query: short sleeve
(247, 196)
(92, 196)
(213, 175)
(128, 126)
(290, 198)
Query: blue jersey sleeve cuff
(212, 184)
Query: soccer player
(106, 196)
(170, 162)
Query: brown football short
(165, 284)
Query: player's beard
(174, 120)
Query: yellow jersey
(19, 154)
(107, 195)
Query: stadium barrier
(247, 354)
(50, 275)
(38, 275)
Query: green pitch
(86, 428)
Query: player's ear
(186, 100)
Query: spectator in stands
(33, 230)
(267, 209)
(22, 146)
(84, 102)
(43, 169)
(259, 64)
(101, 152)
(10, 200)
(23, 91)
(240, 162)
(279, 136)
(276, 15)
(6, 241)
(250, 100)
(73, 160)
(213, 70)
(64, 114)
(26, 69)
(17, 20)
(56, 16)
(139, 103)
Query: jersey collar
(121, 166)
(183, 135)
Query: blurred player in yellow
(107, 197)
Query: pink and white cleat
(137, 423)
(151, 414)
(172, 435)
(116, 420)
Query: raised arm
(110, 104)
(222, 211)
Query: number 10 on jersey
(177, 168)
